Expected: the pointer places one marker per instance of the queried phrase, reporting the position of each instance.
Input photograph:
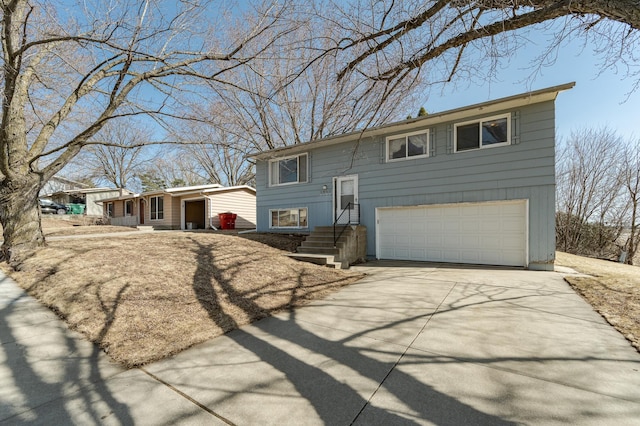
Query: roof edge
(525, 98)
(159, 192)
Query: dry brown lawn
(84, 229)
(613, 290)
(282, 241)
(56, 226)
(145, 297)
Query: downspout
(210, 216)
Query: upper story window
(157, 207)
(485, 133)
(289, 170)
(410, 145)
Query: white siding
(241, 202)
(93, 208)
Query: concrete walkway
(410, 344)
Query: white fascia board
(457, 114)
(230, 188)
(192, 188)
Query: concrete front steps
(319, 248)
(319, 259)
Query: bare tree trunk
(20, 218)
(63, 80)
(631, 251)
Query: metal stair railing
(351, 207)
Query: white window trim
(289, 227)
(277, 160)
(112, 212)
(151, 217)
(480, 121)
(388, 159)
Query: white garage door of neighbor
(480, 233)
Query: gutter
(210, 217)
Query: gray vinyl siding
(523, 170)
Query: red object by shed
(227, 220)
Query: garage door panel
(404, 226)
(451, 225)
(418, 241)
(491, 243)
(491, 257)
(512, 225)
(417, 214)
(484, 233)
(402, 240)
(432, 214)
(434, 226)
(510, 258)
(469, 256)
(451, 256)
(402, 252)
(469, 211)
(490, 225)
(419, 227)
(434, 241)
(511, 243)
(471, 242)
(452, 242)
(470, 225)
(435, 255)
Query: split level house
(190, 207)
(471, 185)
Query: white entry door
(346, 195)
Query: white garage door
(480, 233)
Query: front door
(346, 199)
(141, 211)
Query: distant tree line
(598, 190)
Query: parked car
(48, 206)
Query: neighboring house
(90, 197)
(174, 208)
(470, 185)
(58, 184)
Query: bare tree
(631, 182)
(120, 163)
(212, 142)
(393, 40)
(178, 168)
(65, 75)
(289, 95)
(223, 161)
(588, 189)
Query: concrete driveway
(409, 344)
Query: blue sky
(598, 99)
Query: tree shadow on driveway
(314, 369)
